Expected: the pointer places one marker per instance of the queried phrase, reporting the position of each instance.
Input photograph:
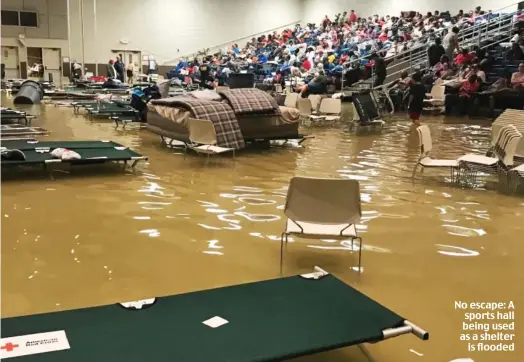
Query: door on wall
(128, 57)
(51, 61)
(10, 61)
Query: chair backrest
(438, 92)
(315, 101)
(330, 106)
(424, 141)
(291, 100)
(201, 131)
(506, 144)
(163, 87)
(278, 88)
(304, 106)
(323, 201)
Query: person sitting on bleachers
(464, 57)
(464, 98)
(318, 85)
(517, 78)
(479, 72)
(442, 67)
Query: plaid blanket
(220, 113)
(251, 101)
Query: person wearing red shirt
(469, 87)
(352, 17)
(306, 64)
(464, 99)
(464, 57)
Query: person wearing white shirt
(311, 56)
(394, 49)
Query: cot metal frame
(408, 327)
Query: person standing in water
(416, 98)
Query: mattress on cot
(89, 151)
(262, 321)
(171, 122)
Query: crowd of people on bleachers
(470, 77)
(320, 54)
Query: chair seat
(318, 118)
(319, 230)
(519, 170)
(375, 122)
(211, 149)
(434, 100)
(479, 159)
(430, 162)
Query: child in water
(416, 98)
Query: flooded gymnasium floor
(179, 225)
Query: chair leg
(282, 249)
(360, 254)
(414, 170)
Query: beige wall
(50, 33)
(168, 29)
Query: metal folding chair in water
(305, 108)
(425, 160)
(203, 138)
(512, 178)
(270, 320)
(319, 208)
(329, 110)
(471, 165)
(291, 100)
(516, 118)
(365, 112)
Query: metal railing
(240, 41)
(497, 29)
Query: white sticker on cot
(215, 322)
(33, 344)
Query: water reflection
(451, 250)
(225, 224)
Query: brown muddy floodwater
(180, 225)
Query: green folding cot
(8, 115)
(39, 153)
(111, 110)
(17, 130)
(271, 320)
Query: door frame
(59, 70)
(17, 60)
(127, 51)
